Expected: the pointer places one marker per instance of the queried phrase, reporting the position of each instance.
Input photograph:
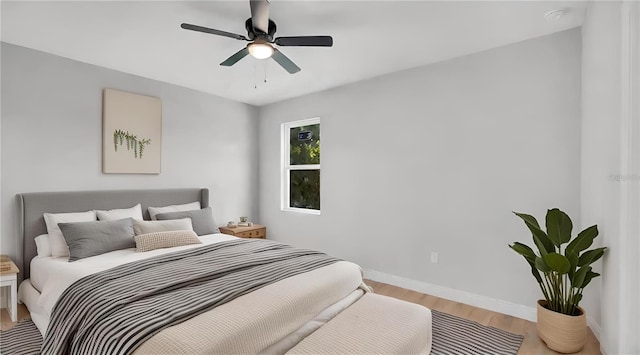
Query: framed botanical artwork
(131, 133)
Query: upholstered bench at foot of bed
(375, 324)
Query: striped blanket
(115, 311)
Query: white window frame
(285, 199)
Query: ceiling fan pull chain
(255, 76)
(265, 71)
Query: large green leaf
(576, 298)
(590, 275)
(529, 256)
(535, 272)
(528, 219)
(591, 256)
(524, 250)
(559, 227)
(558, 263)
(573, 259)
(541, 265)
(583, 240)
(540, 238)
(580, 275)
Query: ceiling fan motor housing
(256, 33)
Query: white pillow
(153, 211)
(56, 239)
(43, 245)
(145, 227)
(134, 212)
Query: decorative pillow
(169, 239)
(57, 241)
(134, 212)
(144, 227)
(87, 239)
(153, 211)
(43, 245)
(202, 220)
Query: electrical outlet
(434, 257)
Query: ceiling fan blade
(305, 41)
(260, 15)
(187, 26)
(236, 57)
(285, 62)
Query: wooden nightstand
(255, 231)
(9, 277)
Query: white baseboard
(595, 328)
(493, 304)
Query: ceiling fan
(260, 32)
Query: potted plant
(562, 272)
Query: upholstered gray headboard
(31, 207)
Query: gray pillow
(202, 220)
(87, 239)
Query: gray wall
(610, 192)
(435, 159)
(52, 140)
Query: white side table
(9, 277)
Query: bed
(325, 309)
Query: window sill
(301, 210)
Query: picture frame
(131, 133)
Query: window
(301, 166)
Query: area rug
(451, 335)
(23, 338)
(455, 335)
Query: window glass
(304, 189)
(305, 145)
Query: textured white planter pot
(562, 333)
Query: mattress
(28, 295)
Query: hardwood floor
(5, 320)
(531, 344)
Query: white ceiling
(371, 38)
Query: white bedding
(282, 312)
(269, 321)
(50, 276)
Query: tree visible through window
(301, 173)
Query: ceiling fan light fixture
(260, 50)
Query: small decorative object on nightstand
(244, 222)
(254, 231)
(8, 277)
